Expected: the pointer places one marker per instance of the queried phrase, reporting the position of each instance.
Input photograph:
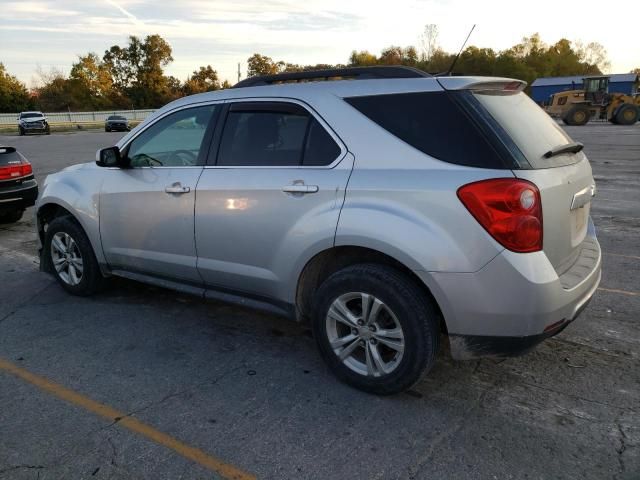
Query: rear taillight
(509, 209)
(11, 172)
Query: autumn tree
(137, 70)
(262, 65)
(14, 96)
(95, 77)
(205, 79)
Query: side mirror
(109, 157)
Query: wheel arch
(324, 263)
(49, 209)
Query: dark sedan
(18, 188)
(116, 123)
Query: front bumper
(513, 303)
(35, 128)
(117, 126)
(18, 198)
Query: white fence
(80, 117)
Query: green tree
(262, 65)
(14, 96)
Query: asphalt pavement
(140, 382)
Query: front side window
(174, 141)
(278, 134)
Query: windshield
(116, 117)
(31, 115)
(531, 129)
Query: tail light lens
(11, 172)
(509, 209)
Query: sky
(51, 34)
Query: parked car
(117, 123)
(18, 187)
(388, 210)
(33, 122)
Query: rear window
(433, 123)
(529, 127)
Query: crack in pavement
(21, 467)
(25, 303)
(191, 388)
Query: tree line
(133, 77)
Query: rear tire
(21, 131)
(387, 351)
(70, 257)
(11, 217)
(577, 115)
(627, 114)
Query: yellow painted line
(224, 469)
(623, 292)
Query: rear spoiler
(4, 149)
(480, 84)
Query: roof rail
(360, 73)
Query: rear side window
(433, 123)
(271, 134)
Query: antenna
(455, 60)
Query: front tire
(70, 257)
(21, 131)
(627, 115)
(375, 328)
(578, 115)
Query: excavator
(577, 107)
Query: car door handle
(300, 188)
(177, 188)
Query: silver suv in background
(33, 122)
(389, 209)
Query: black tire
(21, 130)
(577, 115)
(413, 310)
(627, 114)
(91, 280)
(47, 131)
(107, 129)
(11, 217)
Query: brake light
(509, 209)
(11, 172)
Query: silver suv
(388, 209)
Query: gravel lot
(250, 390)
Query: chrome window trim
(312, 112)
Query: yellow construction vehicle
(577, 107)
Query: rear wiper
(568, 148)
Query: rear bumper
(18, 198)
(512, 304)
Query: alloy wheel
(66, 258)
(365, 334)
